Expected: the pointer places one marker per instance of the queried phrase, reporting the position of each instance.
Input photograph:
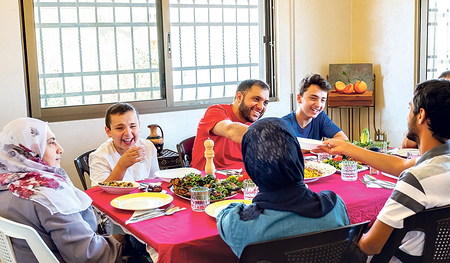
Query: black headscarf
(274, 161)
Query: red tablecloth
(190, 236)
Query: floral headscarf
(26, 175)
(274, 161)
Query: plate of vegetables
(219, 189)
(336, 163)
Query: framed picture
(351, 84)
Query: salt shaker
(374, 171)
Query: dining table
(189, 236)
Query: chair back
(184, 149)
(435, 223)
(12, 229)
(82, 166)
(333, 245)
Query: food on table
(219, 189)
(360, 86)
(154, 188)
(314, 169)
(237, 180)
(339, 86)
(336, 162)
(365, 135)
(117, 184)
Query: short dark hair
(249, 83)
(120, 108)
(316, 79)
(434, 97)
(445, 75)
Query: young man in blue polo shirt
(309, 120)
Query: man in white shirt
(423, 183)
(124, 156)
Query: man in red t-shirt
(225, 124)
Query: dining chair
(82, 166)
(184, 149)
(332, 245)
(13, 229)
(435, 223)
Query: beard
(412, 131)
(247, 112)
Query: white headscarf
(26, 175)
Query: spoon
(173, 210)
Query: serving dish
(214, 209)
(168, 174)
(189, 199)
(141, 201)
(308, 144)
(331, 171)
(120, 190)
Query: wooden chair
(184, 149)
(333, 245)
(13, 229)
(82, 166)
(435, 223)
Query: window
(435, 38)
(162, 55)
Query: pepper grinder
(210, 168)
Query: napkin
(142, 215)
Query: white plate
(141, 201)
(308, 144)
(404, 152)
(313, 179)
(119, 190)
(168, 174)
(214, 209)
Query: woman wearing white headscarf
(35, 191)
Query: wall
(310, 35)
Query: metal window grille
(215, 45)
(96, 51)
(438, 46)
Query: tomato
(337, 158)
(243, 177)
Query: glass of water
(349, 170)
(199, 198)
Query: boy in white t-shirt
(124, 156)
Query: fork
(384, 184)
(148, 214)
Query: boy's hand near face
(131, 156)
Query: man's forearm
(387, 163)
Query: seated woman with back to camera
(284, 205)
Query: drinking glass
(323, 156)
(250, 189)
(199, 198)
(349, 170)
(412, 154)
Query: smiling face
(124, 130)
(253, 103)
(53, 151)
(313, 101)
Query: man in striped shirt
(422, 183)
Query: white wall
(322, 32)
